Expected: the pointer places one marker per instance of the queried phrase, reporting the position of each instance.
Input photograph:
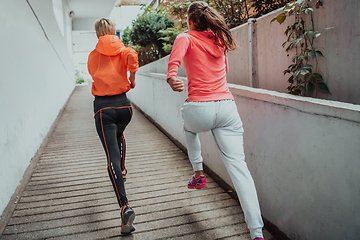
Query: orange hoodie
(108, 65)
(205, 63)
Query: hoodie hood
(205, 40)
(109, 45)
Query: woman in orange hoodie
(108, 65)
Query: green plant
(126, 36)
(80, 80)
(178, 10)
(145, 30)
(235, 12)
(168, 36)
(146, 54)
(262, 7)
(304, 79)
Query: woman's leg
(193, 146)
(228, 135)
(198, 117)
(124, 117)
(107, 127)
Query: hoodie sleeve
(132, 60)
(178, 52)
(226, 64)
(92, 64)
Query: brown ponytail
(205, 17)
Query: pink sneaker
(197, 183)
(258, 238)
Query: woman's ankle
(199, 173)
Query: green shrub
(126, 36)
(145, 30)
(168, 36)
(80, 80)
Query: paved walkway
(69, 195)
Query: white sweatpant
(223, 120)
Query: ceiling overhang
(86, 12)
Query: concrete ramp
(69, 195)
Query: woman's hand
(132, 79)
(176, 85)
(132, 84)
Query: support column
(252, 52)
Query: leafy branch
(168, 36)
(304, 79)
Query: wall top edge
(254, 20)
(275, 12)
(346, 111)
(160, 76)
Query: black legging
(112, 115)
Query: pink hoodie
(205, 64)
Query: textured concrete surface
(69, 195)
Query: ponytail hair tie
(205, 8)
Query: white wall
(261, 60)
(83, 43)
(124, 16)
(84, 24)
(341, 47)
(239, 60)
(36, 79)
(270, 58)
(303, 154)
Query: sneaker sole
(198, 186)
(128, 227)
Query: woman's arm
(132, 65)
(132, 79)
(178, 52)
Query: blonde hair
(104, 27)
(205, 17)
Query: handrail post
(252, 52)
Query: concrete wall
(303, 154)
(160, 66)
(83, 43)
(36, 79)
(124, 16)
(270, 58)
(341, 47)
(240, 60)
(261, 60)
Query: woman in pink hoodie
(210, 105)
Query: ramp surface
(70, 196)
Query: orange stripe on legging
(108, 155)
(112, 108)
